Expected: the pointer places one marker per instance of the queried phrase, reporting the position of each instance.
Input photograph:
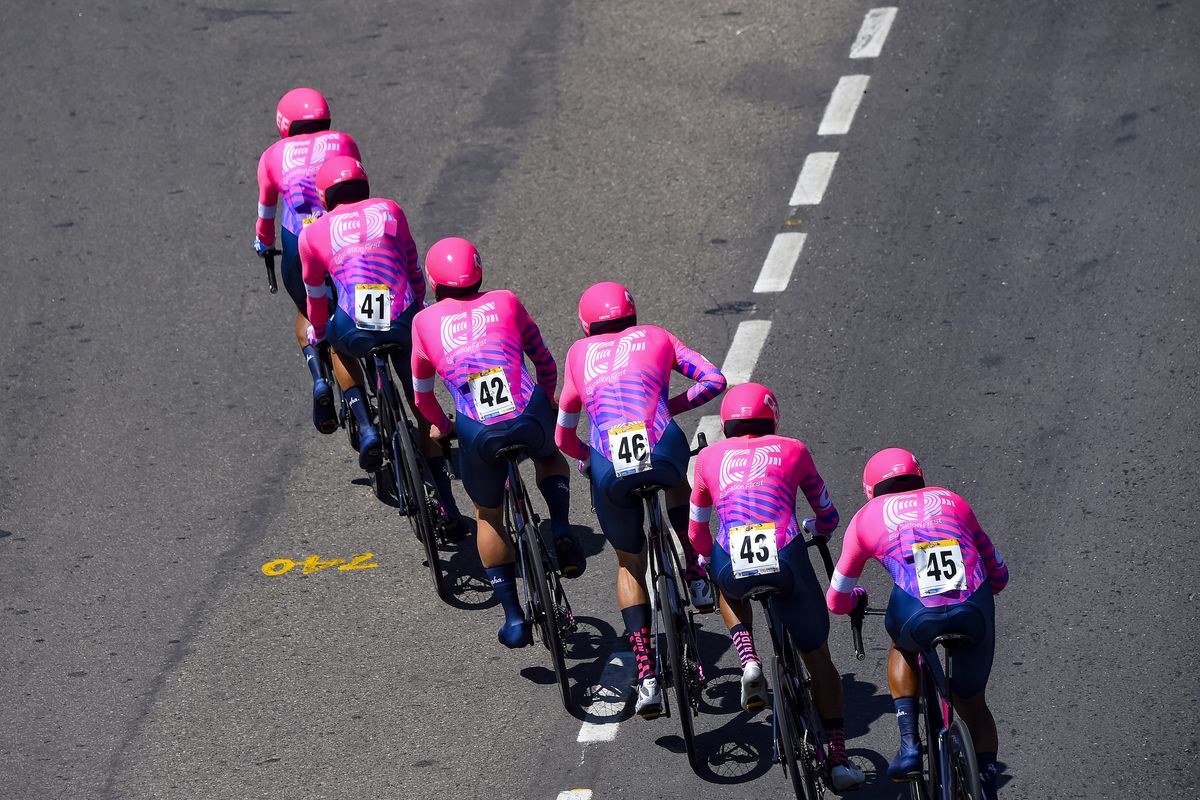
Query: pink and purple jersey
(754, 480)
(622, 378)
(288, 168)
(928, 540)
(366, 248)
(477, 346)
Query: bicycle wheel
(787, 731)
(963, 770)
(419, 512)
(546, 614)
(812, 753)
(928, 786)
(677, 674)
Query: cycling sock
(987, 774)
(313, 361)
(744, 642)
(359, 406)
(637, 622)
(557, 492)
(504, 586)
(437, 464)
(906, 718)
(835, 730)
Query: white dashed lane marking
(843, 104)
(814, 179)
(610, 697)
(743, 351)
(781, 260)
(874, 31)
(575, 794)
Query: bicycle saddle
(512, 452)
(949, 640)
(646, 489)
(385, 349)
(760, 593)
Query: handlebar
(701, 443)
(268, 257)
(822, 544)
(857, 614)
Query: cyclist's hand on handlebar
(260, 249)
(810, 527)
(859, 596)
(585, 468)
(311, 336)
(438, 435)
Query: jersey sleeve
(424, 377)
(570, 405)
(690, 364)
(997, 570)
(700, 510)
(416, 276)
(853, 558)
(817, 494)
(313, 273)
(268, 198)
(535, 347)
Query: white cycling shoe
(700, 590)
(649, 699)
(845, 778)
(754, 687)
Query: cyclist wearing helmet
(753, 476)
(945, 571)
(289, 168)
(620, 372)
(477, 342)
(363, 244)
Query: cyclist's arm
(570, 404)
(817, 494)
(416, 276)
(849, 569)
(700, 512)
(313, 273)
(268, 198)
(690, 364)
(535, 347)
(424, 379)
(997, 570)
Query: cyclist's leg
(737, 615)
(970, 669)
(553, 480)
(670, 459)
(324, 414)
(347, 340)
(904, 682)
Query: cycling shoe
(324, 416)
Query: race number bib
(629, 446)
(754, 550)
(491, 393)
(939, 567)
(373, 307)
(306, 221)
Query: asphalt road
(1000, 277)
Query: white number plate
(491, 393)
(939, 567)
(629, 446)
(754, 550)
(373, 307)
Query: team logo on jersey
(912, 508)
(309, 152)
(741, 467)
(360, 226)
(606, 358)
(459, 330)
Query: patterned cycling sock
(637, 622)
(314, 363)
(557, 492)
(987, 774)
(744, 642)
(504, 586)
(835, 729)
(906, 719)
(441, 479)
(358, 405)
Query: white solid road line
(611, 695)
(843, 104)
(814, 179)
(874, 31)
(575, 794)
(781, 260)
(743, 351)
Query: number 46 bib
(753, 550)
(939, 567)
(629, 446)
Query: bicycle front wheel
(678, 672)
(788, 732)
(962, 772)
(547, 615)
(420, 515)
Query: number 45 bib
(753, 550)
(939, 567)
(491, 393)
(629, 446)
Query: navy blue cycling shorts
(913, 626)
(290, 271)
(350, 340)
(800, 602)
(483, 474)
(621, 514)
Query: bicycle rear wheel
(928, 786)
(788, 732)
(812, 755)
(547, 615)
(963, 771)
(416, 503)
(678, 672)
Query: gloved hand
(260, 248)
(859, 597)
(585, 468)
(312, 337)
(810, 527)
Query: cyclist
(363, 244)
(288, 168)
(945, 571)
(620, 372)
(753, 476)
(476, 342)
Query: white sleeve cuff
(567, 419)
(314, 291)
(423, 385)
(841, 583)
(266, 212)
(699, 514)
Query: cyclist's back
(287, 171)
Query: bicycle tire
(668, 603)
(928, 786)
(787, 732)
(420, 515)
(546, 615)
(964, 768)
(812, 731)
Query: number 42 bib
(491, 393)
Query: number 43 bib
(629, 446)
(939, 567)
(753, 549)
(491, 393)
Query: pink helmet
(299, 104)
(453, 262)
(749, 401)
(890, 463)
(602, 302)
(338, 170)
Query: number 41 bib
(939, 567)
(373, 307)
